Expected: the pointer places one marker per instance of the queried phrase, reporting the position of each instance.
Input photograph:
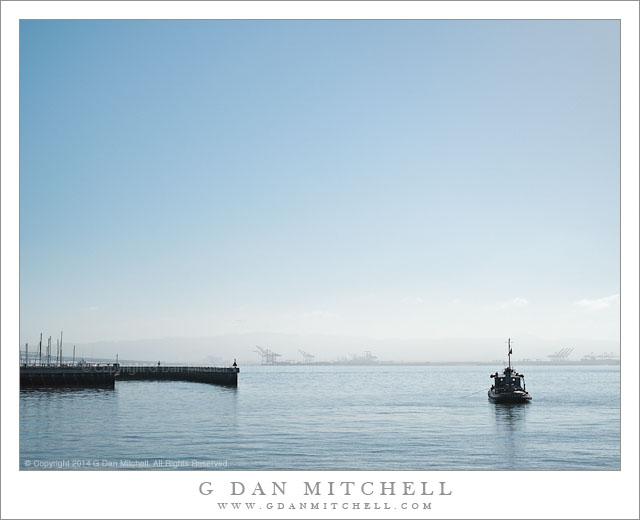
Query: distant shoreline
(598, 362)
(445, 363)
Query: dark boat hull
(509, 397)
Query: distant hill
(221, 350)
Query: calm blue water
(331, 418)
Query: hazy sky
(409, 179)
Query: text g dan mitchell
(345, 488)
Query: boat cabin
(509, 381)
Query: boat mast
(509, 343)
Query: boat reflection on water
(509, 432)
(510, 414)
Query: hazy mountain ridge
(223, 349)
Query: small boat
(508, 387)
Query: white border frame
(149, 494)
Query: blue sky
(406, 179)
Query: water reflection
(510, 415)
(509, 420)
(58, 390)
(35, 396)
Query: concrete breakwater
(105, 376)
(62, 376)
(226, 376)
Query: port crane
(561, 355)
(268, 356)
(306, 357)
